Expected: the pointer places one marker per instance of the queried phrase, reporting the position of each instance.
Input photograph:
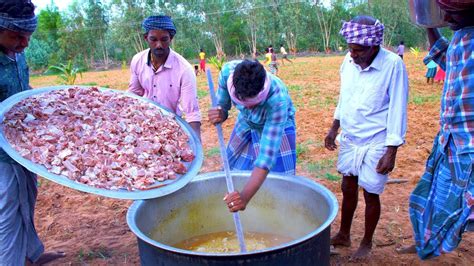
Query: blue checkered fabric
(244, 146)
(18, 24)
(159, 23)
(263, 136)
(442, 204)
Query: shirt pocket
(372, 96)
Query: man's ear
(145, 36)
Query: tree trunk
(104, 52)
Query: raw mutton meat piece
(103, 139)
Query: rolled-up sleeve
(397, 109)
(134, 85)
(189, 100)
(438, 53)
(271, 136)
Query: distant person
(401, 49)
(431, 71)
(19, 241)
(196, 70)
(284, 55)
(372, 115)
(441, 206)
(270, 48)
(202, 60)
(440, 75)
(264, 136)
(164, 76)
(272, 61)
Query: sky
(63, 4)
(41, 4)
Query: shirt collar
(167, 64)
(376, 64)
(5, 60)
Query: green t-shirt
(14, 78)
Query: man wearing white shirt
(372, 115)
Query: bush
(67, 72)
(38, 54)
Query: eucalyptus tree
(44, 47)
(96, 23)
(126, 30)
(74, 36)
(395, 17)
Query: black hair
(17, 8)
(365, 20)
(249, 78)
(401, 42)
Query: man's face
(459, 19)
(362, 55)
(14, 42)
(159, 42)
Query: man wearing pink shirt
(164, 76)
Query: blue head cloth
(159, 23)
(26, 24)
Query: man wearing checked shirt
(264, 136)
(442, 204)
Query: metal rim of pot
(326, 193)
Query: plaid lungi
(243, 149)
(443, 201)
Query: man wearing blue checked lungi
(19, 242)
(442, 203)
(264, 137)
(372, 115)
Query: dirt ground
(92, 229)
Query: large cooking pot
(426, 13)
(291, 206)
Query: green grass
(202, 93)
(421, 99)
(295, 87)
(302, 149)
(89, 84)
(95, 253)
(212, 152)
(323, 169)
(332, 177)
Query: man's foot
(341, 240)
(49, 257)
(362, 252)
(407, 250)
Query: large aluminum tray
(170, 187)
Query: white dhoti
(361, 159)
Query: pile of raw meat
(103, 139)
